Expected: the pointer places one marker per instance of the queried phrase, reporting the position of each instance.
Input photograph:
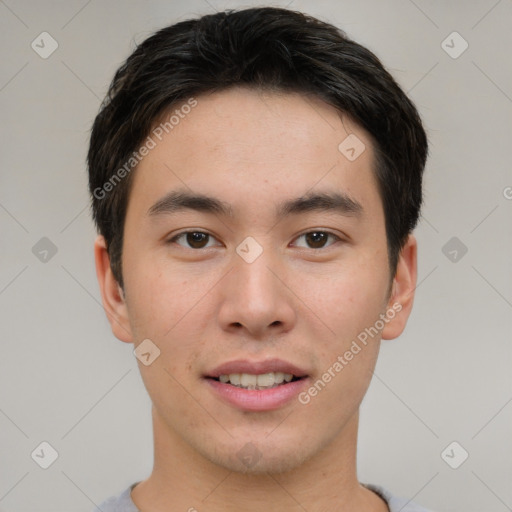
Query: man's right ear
(111, 293)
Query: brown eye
(317, 239)
(197, 240)
(194, 239)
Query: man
(255, 179)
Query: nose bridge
(254, 297)
(252, 268)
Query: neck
(182, 479)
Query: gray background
(66, 380)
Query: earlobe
(402, 295)
(112, 294)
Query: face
(283, 270)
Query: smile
(262, 381)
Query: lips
(257, 385)
(257, 368)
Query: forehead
(243, 143)
(240, 119)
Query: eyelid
(304, 233)
(319, 230)
(173, 238)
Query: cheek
(348, 299)
(172, 310)
(158, 296)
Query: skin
(297, 301)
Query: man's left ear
(402, 294)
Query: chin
(259, 458)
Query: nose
(256, 299)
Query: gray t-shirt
(123, 502)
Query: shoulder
(395, 503)
(120, 503)
(123, 502)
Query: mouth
(261, 381)
(257, 386)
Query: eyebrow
(180, 200)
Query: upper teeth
(261, 381)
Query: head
(269, 124)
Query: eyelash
(183, 233)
